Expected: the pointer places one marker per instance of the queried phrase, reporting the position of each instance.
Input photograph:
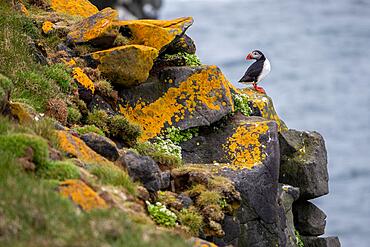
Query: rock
(98, 103)
(232, 231)
(143, 169)
(96, 29)
(262, 106)
(83, 80)
(82, 195)
(82, 8)
(287, 195)
(192, 97)
(126, 65)
(321, 242)
(185, 200)
(75, 147)
(102, 145)
(157, 34)
(304, 163)
(309, 220)
(183, 44)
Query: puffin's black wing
(253, 72)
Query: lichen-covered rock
(75, 147)
(262, 106)
(102, 145)
(320, 242)
(143, 169)
(183, 44)
(153, 33)
(96, 29)
(84, 81)
(304, 163)
(81, 194)
(183, 97)
(81, 8)
(309, 220)
(287, 195)
(197, 242)
(126, 65)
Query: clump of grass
(113, 175)
(299, 241)
(99, 118)
(89, 129)
(59, 170)
(6, 86)
(208, 197)
(104, 87)
(61, 74)
(121, 128)
(192, 219)
(57, 109)
(190, 59)
(241, 103)
(74, 115)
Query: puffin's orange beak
(249, 57)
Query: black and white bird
(257, 71)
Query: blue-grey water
(320, 80)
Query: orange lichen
(74, 146)
(93, 27)
(83, 79)
(126, 65)
(202, 243)
(202, 89)
(70, 63)
(82, 195)
(47, 27)
(244, 147)
(76, 7)
(265, 105)
(155, 33)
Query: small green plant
(104, 87)
(99, 118)
(190, 59)
(177, 136)
(60, 73)
(59, 170)
(113, 175)
(120, 127)
(74, 115)
(89, 129)
(223, 203)
(241, 104)
(191, 219)
(298, 238)
(161, 215)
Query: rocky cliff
(114, 133)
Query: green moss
(104, 87)
(164, 153)
(177, 136)
(190, 59)
(207, 198)
(59, 170)
(74, 115)
(89, 129)
(161, 215)
(17, 145)
(113, 175)
(299, 241)
(60, 73)
(121, 128)
(99, 118)
(241, 104)
(191, 219)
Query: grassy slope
(31, 211)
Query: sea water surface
(320, 80)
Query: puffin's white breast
(265, 70)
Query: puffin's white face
(254, 55)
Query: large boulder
(144, 169)
(304, 163)
(96, 29)
(183, 97)
(321, 242)
(309, 220)
(102, 145)
(127, 65)
(81, 8)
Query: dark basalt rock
(309, 220)
(321, 242)
(144, 169)
(304, 163)
(98, 103)
(183, 44)
(102, 145)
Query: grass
(74, 115)
(61, 74)
(99, 118)
(59, 170)
(191, 219)
(121, 128)
(89, 129)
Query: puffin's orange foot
(259, 89)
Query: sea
(320, 80)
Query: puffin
(257, 71)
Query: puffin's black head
(256, 54)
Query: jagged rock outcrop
(309, 219)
